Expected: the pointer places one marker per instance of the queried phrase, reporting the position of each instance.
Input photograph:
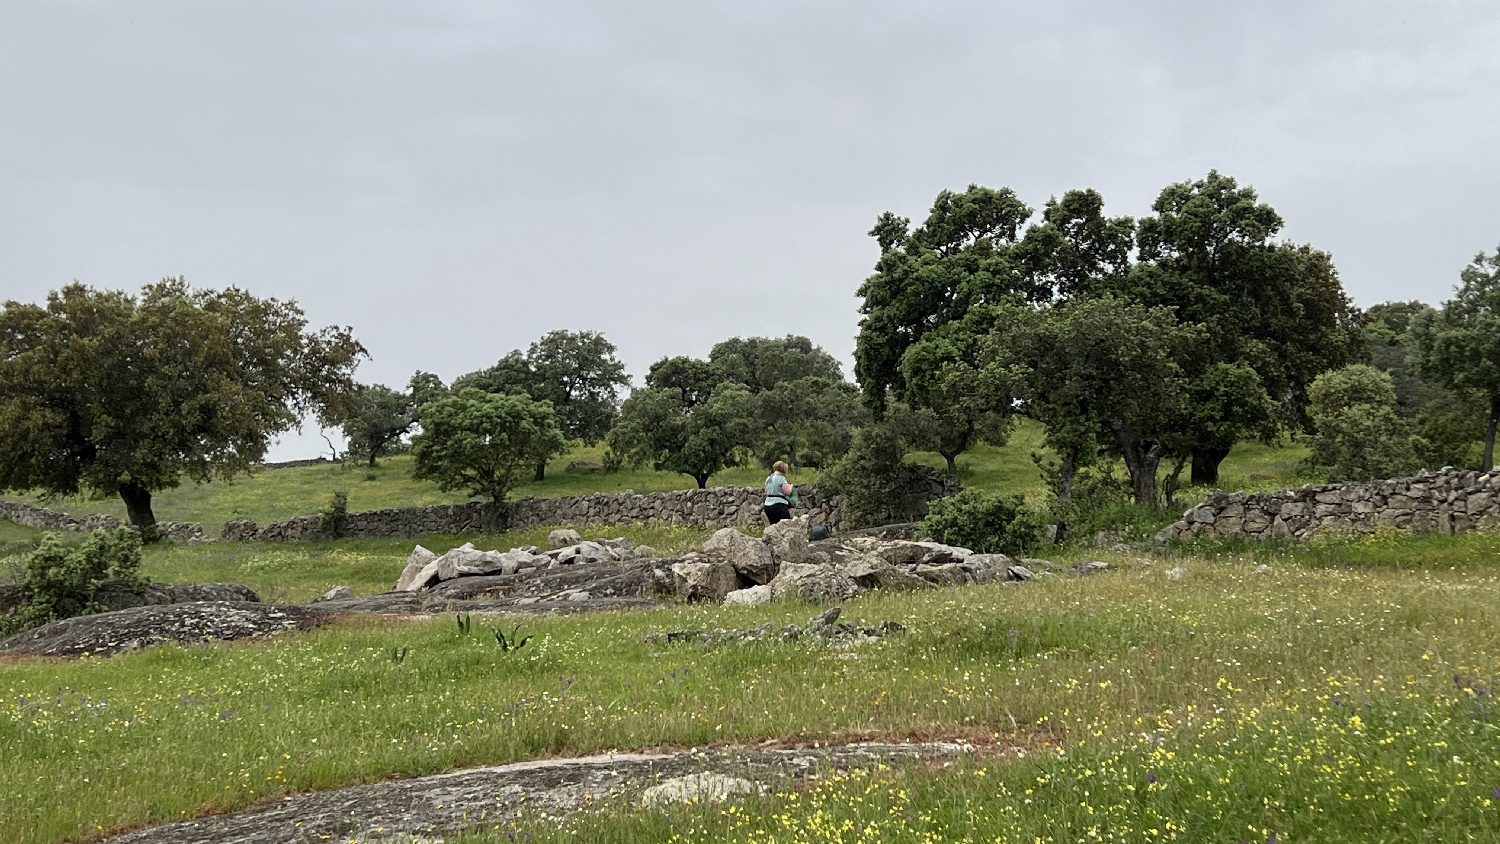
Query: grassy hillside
(273, 494)
(1303, 702)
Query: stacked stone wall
(33, 516)
(1447, 502)
(716, 507)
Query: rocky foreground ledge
(542, 791)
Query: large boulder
(871, 572)
(467, 560)
(749, 556)
(947, 574)
(562, 538)
(812, 582)
(988, 568)
(753, 596)
(788, 540)
(709, 581)
(415, 564)
(584, 552)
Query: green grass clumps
(1232, 670)
(1326, 763)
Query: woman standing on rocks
(780, 494)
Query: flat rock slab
(430, 807)
(110, 633)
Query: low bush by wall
(1446, 502)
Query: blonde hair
(779, 466)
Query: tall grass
(146, 737)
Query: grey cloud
(454, 178)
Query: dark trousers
(778, 513)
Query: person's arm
(786, 489)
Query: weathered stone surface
(753, 596)
(870, 572)
(562, 538)
(338, 593)
(788, 541)
(467, 560)
(201, 621)
(947, 574)
(412, 577)
(437, 807)
(749, 556)
(812, 582)
(707, 581)
(705, 787)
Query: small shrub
(875, 480)
(60, 580)
(334, 519)
(986, 522)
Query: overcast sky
(453, 179)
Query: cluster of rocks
(1446, 502)
(740, 570)
(732, 568)
(29, 515)
(425, 569)
(823, 629)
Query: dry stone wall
(1446, 502)
(30, 515)
(717, 507)
(712, 508)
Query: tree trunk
(952, 464)
(1065, 473)
(702, 480)
(1142, 457)
(541, 471)
(373, 452)
(138, 508)
(1488, 461)
(1169, 486)
(1206, 460)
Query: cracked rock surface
(199, 621)
(434, 806)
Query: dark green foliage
(806, 422)
(576, 371)
(986, 522)
(1358, 435)
(514, 642)
(656, 428)
(931, 276)
(1459, 347)
(484, 442)
(60, 579)
(875, 480)
(334, 519)
(124, 395)
(693, 380)
(1096, 370)
(379, 419)
(761, 363)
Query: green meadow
(1340, 693)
